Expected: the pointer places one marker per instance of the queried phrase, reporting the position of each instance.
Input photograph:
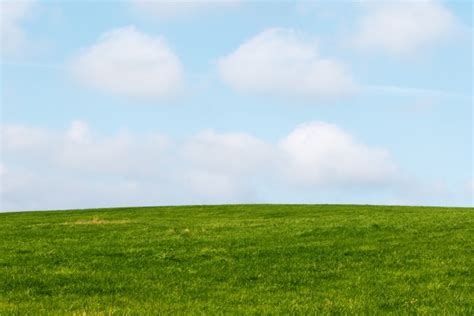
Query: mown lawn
(242, 259)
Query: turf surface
(242, 259)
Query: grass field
(253, 259)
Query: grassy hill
(242, 259)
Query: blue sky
(150, 103)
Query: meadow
(238, 259)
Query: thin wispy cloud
(409, 91)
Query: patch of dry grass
(98, 221)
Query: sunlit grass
(258, 259)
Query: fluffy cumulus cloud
(43, 169)
(79, 149)
(284, 62)
(123, 153)
(126, 62)
(321, 154)
(12, 14)
(403, 27)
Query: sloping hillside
(238, 259)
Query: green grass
(254, 259)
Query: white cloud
(168, 9)
(127, 62)
(282, 62)
(19, 138)
(204, 187)
(436, 192)
(3, 170)
(135, 169)
(403, 27)
(321, 154)
(237, 153)
(42, 168)
(79, 132)
(470, 189)
(12, 13)
(78, 149)
(224, 168)
(122, 153)
(26, 189)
